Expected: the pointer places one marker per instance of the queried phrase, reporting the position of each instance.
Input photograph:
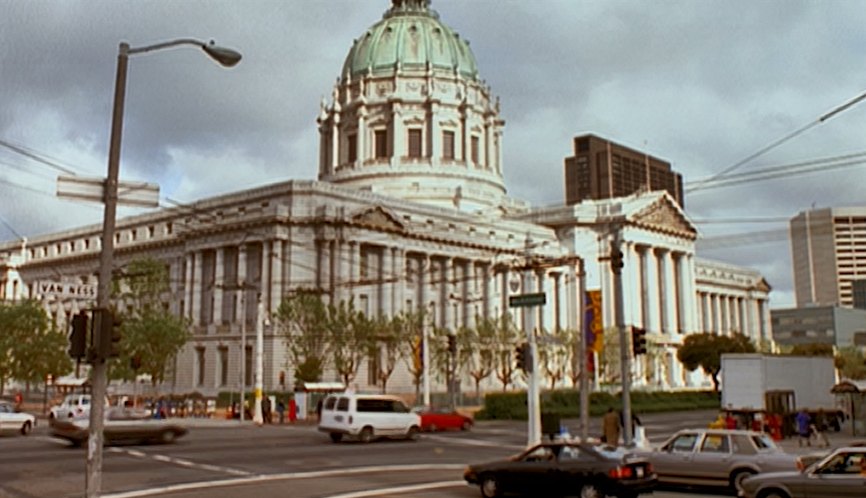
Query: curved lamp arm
(225, 56)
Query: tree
(350, 335)
(392, 338)
(300, 318)
(33, 347)
(150, 332)
(705, 350)
(851, 363)
(505, 338)
(413, 348)
(812, 349)
(480, 348)
(554, 356)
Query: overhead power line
(772, 145)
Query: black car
(565, 469)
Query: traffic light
(523, 358)
(638, 341)
(616, 258)
(452, 343)
(107, 326)
(78, 336)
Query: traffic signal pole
(616, 265)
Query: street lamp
(225, 57)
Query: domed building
(409, 213)
(411, 118)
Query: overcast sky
(702, 84)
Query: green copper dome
(409, 37)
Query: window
(381, 143)
(714, 443)
(684, 443)
(330, 402)
(199, 357)
(351, 148)
(343, 405)
(415, 149)
(224, 366)
(475, 150)
(448, 145)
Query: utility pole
(533, 403)
(243, 372)
(584, 370)
(616, 265)
(260, 344)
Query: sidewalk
(837, 440)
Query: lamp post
(224, 56)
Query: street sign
(139, 194)
(65, 289)
(534, 299)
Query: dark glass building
(601, 169)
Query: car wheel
(466, 426)
(366, 435)
(167, 437)
(774, 493)
(336, 437)
(737, 478)
(489, 486)
(26, 428)
(413, 433)
(591, 490)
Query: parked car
(442, 419)
(13, 421)
(72, 406)
(840, 474)
(717, 457)
(563, 468)
(121, 426)
(367, 416)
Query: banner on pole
(594, 327)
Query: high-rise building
(828, 249)
(601, 169)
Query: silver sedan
(839, 475)
(717, 458)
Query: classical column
(689, 302)
(447, 265)
(434, 152)
(187, 285)
(653, 308)
(633, 285)
(765, 319)
(197, 288)
(335, 137)
(242, 282)
(175, 279)
(744, 315)
(218, 285)
(669, 293)
(385, 284)
(717, 314)
(266, 275)
(399, 281)
(707, 303)
(354, 267)
(276, 287)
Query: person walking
(611, 427)
(266, 409)
(819, 429)
(281, 411)
(804, 431)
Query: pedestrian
(730, 421)
(819, 429)
(19, 400)
(804, 423)
(611, 427)
(319, 409)
(266, 410)
(281, 411)
(719, 422)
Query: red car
(443, 419)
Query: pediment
(664, 216)
(379, 218)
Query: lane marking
(254, 479)
(181, 462)
(401, 489)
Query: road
(289, 460)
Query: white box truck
(770, 384)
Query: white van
(367, 416)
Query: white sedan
(12, 421)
